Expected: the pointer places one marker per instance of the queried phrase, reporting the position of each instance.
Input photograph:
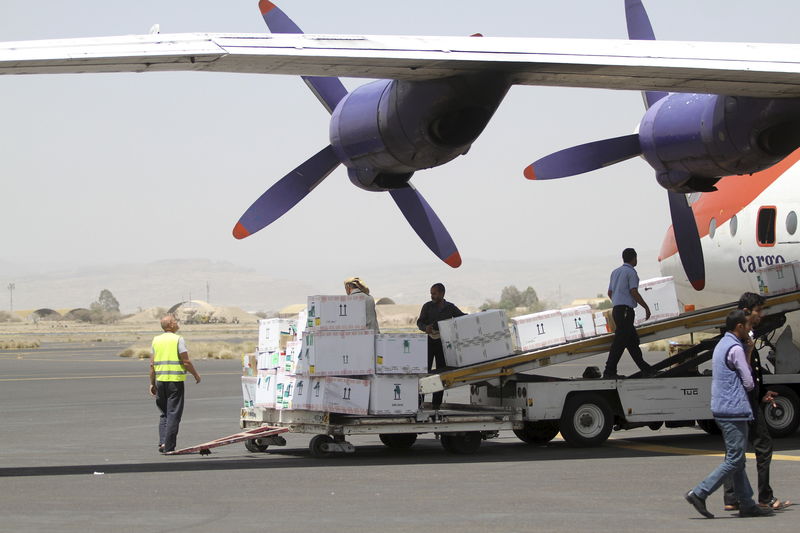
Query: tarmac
(78, 453)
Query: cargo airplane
(437, 94)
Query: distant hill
(164, 283)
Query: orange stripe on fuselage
(734, 194)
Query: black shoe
(160, 448)
(698, 503)
(755, 512)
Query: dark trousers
(436, 353)
(169, 399)
(625, 336)
(762, 446)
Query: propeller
(298, 183)
(430, 229)
(599, 154)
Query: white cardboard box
(777, 279)
(475, 338)
(340, 353)
(265, 389)
(394, 394)
(578, 322)
(600, 323)
(267, 360)
(294, 349)
(538, 330)
(339, 395)
(273, 333)
(292, 391)
(401, 353)
(249, 390)
(302, 323)
(337, 312)
(659, 293)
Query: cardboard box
(340, 353)
(289, 359)
(339, 395)
(302, 322)
(475, 338)
(601, 324)
(659, 293)
(266, 383)
(578, 322)
(394, 394)
(776, 279)
(292, 391)
(274, 333)
(401, 353)
(249, 365)
(337, 313)
(267, 360)
(538, 330)
(249, 390)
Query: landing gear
(783, 419)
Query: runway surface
(78, 453)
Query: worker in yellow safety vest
(168, 368)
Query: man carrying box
(430, 315)
(623, 290)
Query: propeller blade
(329, 91)
(688, 239)
(640, 29)
(426, 224)
(286, 193)
(583, 158)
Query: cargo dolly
(500, 401)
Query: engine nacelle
(385, 130)
(692, 140)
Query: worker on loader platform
(168, 368)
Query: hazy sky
(111, 168)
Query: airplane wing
(743, 69)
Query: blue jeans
(735, 435)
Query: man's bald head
(169, 323)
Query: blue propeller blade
(329, 91)
(426, 224)
(286, 193)
(688, 239)
(584, 158)
(640, 29)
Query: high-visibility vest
(166, 362)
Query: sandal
(775, 504)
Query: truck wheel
(400, 441)
(255, 446)
(709, 426)
(316, 445)
(540, 432)
(783, 420)
(464, 444)
(587, 420)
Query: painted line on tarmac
(685, 451)
(56, 378)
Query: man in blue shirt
(623, 290)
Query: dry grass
(200, 350)
(14, 344)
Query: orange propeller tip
(698, 284)
(240, 232)
(454, 260)
(265, 6)
(529, 172)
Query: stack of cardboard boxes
(328, 361)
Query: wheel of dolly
(784, 419)
(255, 446)
(464, 444)
(316, 445)
(400, 441)
(587, 420)
(540, 432)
